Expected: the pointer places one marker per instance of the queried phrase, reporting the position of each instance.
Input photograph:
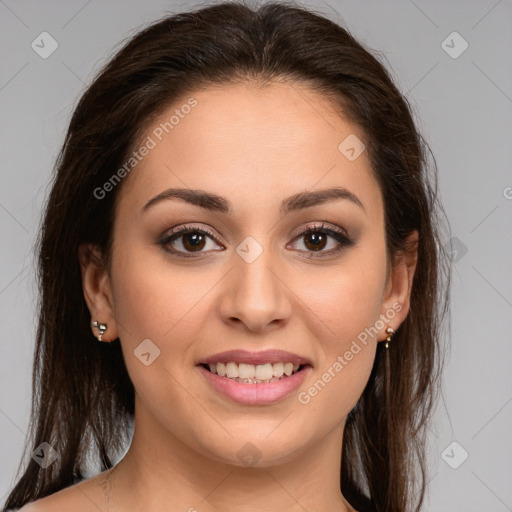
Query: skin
(255, 147)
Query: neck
(161, 473)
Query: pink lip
(263, 357)
(256, 394)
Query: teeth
(221, 369)
(278, 369)
(248, 372)
(254, 381)
(264, 371)
(231, 371)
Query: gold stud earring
(390, 333)
(101, 328)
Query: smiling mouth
(254, 374)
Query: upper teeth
(249, 371)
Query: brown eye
(316, 238)
(193, 241)
(186, 241)
(315, 241)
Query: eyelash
(336, 233)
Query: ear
(97, 291)
(396, 302)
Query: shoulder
(47, 504)
(85, 496)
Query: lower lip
(256, 394)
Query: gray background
(463, 107)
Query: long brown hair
(83, 398)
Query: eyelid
(306, 229)
(338, 233)
(325, 226)
(180, 231)
(183, 229)
(343, 239)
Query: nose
(255, 296)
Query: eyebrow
(214, 202)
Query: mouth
(254, 374)
(266, 387)
(255, 378)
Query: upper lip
(255, 358)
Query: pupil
(318, 240)
(194, 241)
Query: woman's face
(253, 282)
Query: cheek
(344, 306)
(346, 298)
(160, 303)
(170, 306)
(152, 296)
(345, 351)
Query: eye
(187, 239)
(315, 238)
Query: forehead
(255, 145)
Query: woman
(240, 254)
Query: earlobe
(97, 291)
(400, 281)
